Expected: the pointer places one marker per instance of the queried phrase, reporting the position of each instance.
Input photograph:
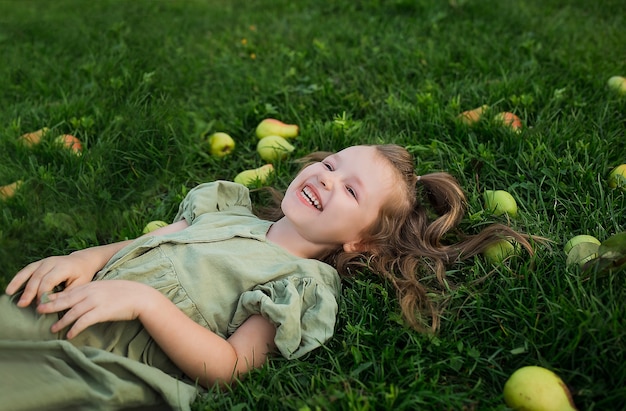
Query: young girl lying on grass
(212, 295)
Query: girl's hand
(96, 302)
(42, 276)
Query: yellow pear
(33, 138)
(534, 388)
(499, 202)
(272, 148)
(273, 127)
(8, 190)
(153, 225)
(473, 116)
(221, 144)
(617, 177)
(255, 176)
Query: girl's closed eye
(328, 166)
(351, 191)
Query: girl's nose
(326, 179)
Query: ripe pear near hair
(273, 148)
(255, 176)
(274, 127)
(534, 388)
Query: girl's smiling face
(332, 202)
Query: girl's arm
(197, 351)
(74, 269)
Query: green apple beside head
(500, 202)
(499, 251)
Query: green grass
(142, 82)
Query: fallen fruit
(70, 142)
(273, 148)
(473, 116)
(33, 138)
(582, 238)
(617, 83)
(8, 190)
(617, 177)
(534, 388)
(499, 251)
(499, 202)
(221, 144)
(255, 176)
(273, 127)
(509, 120)
(153, 225)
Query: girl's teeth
(312, 199)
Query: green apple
(617, 177)
(500, 202)
(582, 238)
(153, 225)
(221, 144)
(582, 253)
(499, 251)
(617, 83)
(272, 148)
(273, 127)
(509, 120)
(255, 176)
(534, 388)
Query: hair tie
(419, 178)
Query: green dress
(219, 271)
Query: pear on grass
(617, 177)
(274, 127)
(617, 83)
(70, 142)
(509, 120)
(255, 176)
(473, 116)
(534, 388)
(33, 138)
(8, 190)
(500, 202)
(153, 225)
(499, 251)
(221, 144)
(273, 148)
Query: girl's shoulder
(213, 197)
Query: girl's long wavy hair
(410, 241)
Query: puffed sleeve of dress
(213, 197)
(303, 309)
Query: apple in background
(499, 251)
(255, 176)
(582, 238)
(273, 148)
(617, 83)
(70, 142)
(617, 177)
(153, 225)
(509, 120)
(473, 116)
(221, 144)
(33, 138)
(534, 388)
(273, 127)
(499, 202)
(8, 190)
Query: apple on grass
(617, 177)
(255, 176)
(273, 148)
(70, 142)
(534, 388)
(221, 144)
(500, 202)
(499, 251)
(153, 225)
(617, 83)
(274, 127)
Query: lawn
(143, 83)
